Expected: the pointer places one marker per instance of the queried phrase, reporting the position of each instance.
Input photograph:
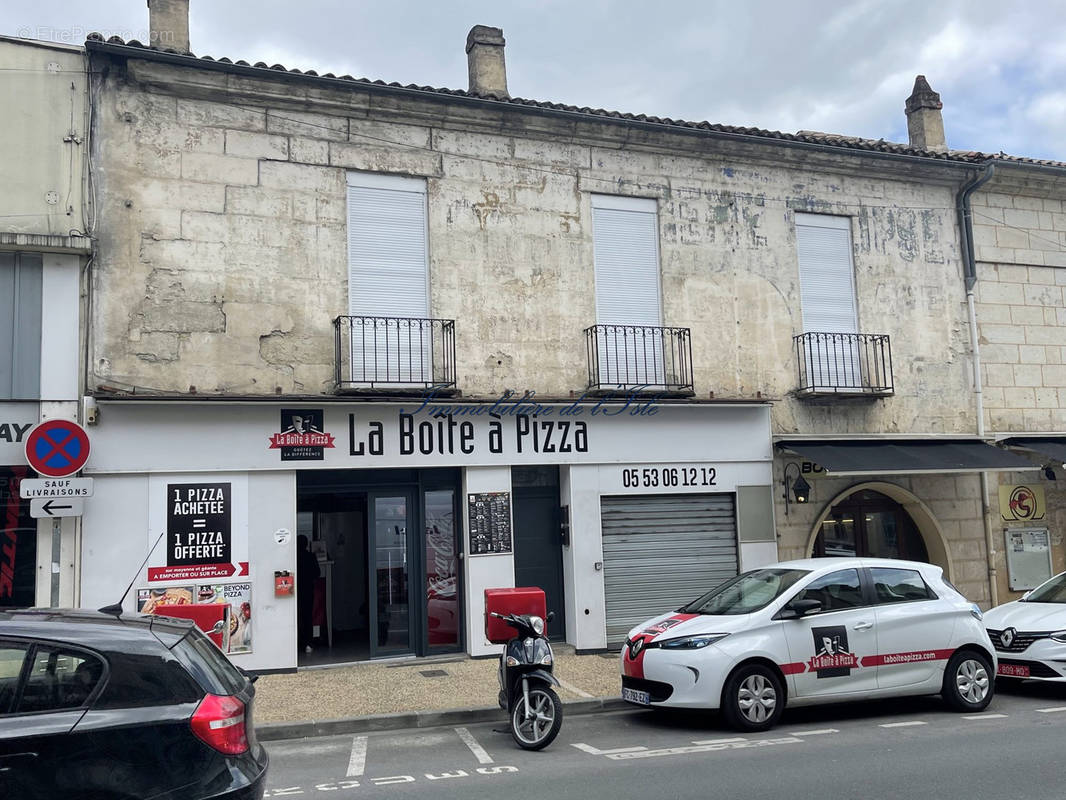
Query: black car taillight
(219, 723)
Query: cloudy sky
(844, 66)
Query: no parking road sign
(57, 448)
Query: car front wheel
(968, 681)
(753, 698)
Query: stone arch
(928, 526)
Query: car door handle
(863, 626)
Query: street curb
(275, 731)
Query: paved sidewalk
(384, 694)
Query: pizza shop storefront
(408, 515)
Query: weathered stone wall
(1021, 310)
(224, 259)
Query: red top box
(519, 600)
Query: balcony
(640, 357)
(844, 365)
(394, 353)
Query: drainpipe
(969, 266)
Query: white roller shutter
(663, 551)
(625, 234)
(827, 297)
(387, 275)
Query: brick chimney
(484, 56)
(925, 124)
(168, 24)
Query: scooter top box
(520, 600)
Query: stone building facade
(45, 227)
(1019, 233)
(227, 275)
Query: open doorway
(387, 549)
(336, 527)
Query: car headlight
(975, 612)
(691, 642)
(1059, 636)
(538, 625)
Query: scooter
(526, 682)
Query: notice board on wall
(490, 522)
(1028, 557)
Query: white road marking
(593, 751)
(720, 741)
(820, 732)
(468, 739)
(986, 716)
(574, 689)
(900, 724)
(705, 748)
(357, 761)
(1050, 710)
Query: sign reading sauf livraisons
(199, 533)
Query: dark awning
(905, 456)
(1054, 447)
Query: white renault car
(813, 631)
(1030, 634)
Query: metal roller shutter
(663, 551)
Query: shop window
(18, 542)
(870, 524)
(20, 326)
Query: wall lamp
(799, 488)
(1049, 472)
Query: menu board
(490, 522)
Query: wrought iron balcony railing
(844, 364)
(639, 356)
(394, 352)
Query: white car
(1030, 634)
(813, 631)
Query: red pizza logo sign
(301, 440)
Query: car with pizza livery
(813, 631)
(1030, 634)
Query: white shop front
(412, 510)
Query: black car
(94, 705)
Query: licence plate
(1013, 670)
(634, 696)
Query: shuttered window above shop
(625, 234)
(20, 326)
(387, 246)
(827, 274)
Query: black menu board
(490, 522)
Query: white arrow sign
(55, 507)
(56, 487)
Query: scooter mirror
(550, 617)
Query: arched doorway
(869, 523)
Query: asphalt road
(913, 748)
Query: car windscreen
(212, 670)
(1054, 591)
(746, 593)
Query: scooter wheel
(540, 727)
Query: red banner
(196, 572)
(279, 440)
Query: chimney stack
(168, 25)
(925, 124)
(484, 56)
